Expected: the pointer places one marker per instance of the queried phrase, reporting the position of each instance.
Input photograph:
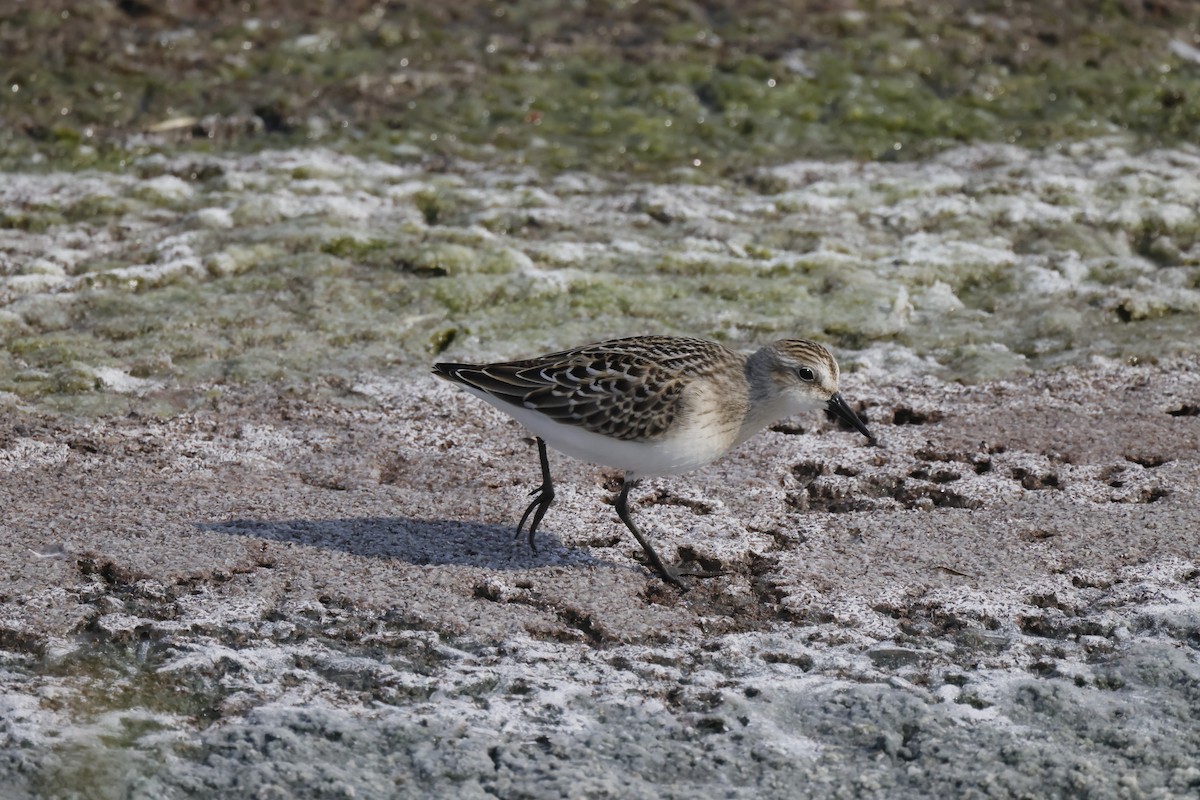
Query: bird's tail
(451, 372)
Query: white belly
(686, 450)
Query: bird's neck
(767, 404)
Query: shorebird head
(806, 374)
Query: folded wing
(625, 393)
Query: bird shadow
(422, 542)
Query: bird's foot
(543, 496)
(674, 574)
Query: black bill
(837, 404)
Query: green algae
(32, 219)
(116, 677)
(651, 88)
(312, 299)
(481, 257)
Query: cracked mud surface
(279, 593)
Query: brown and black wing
(627, 388)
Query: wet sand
(277, 593)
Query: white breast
(692, 446)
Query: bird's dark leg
(543, 496)
(668, 573)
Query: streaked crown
(806, 365)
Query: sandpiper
(653, 405)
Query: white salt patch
(569, 252)
(121, 381)
(939, 297)
(794, 62)
(579, 183)
(177, 246)
(628, 246)
(1023, 210)
(155, 273)
(257, 445)
(537, 196)
(19, 285)
(214, 218)
(261, 209)
(352, 208)
(316, 186)
(1040, 281)
(1184, 50)
(168, 188)
(1175, 215)
(73, 248)
(406, 189)
(927, 211)
(27, 453)
(932, 249)
(43, 266)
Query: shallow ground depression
(324, 596)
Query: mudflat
(278, 591)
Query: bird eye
(806, 374)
